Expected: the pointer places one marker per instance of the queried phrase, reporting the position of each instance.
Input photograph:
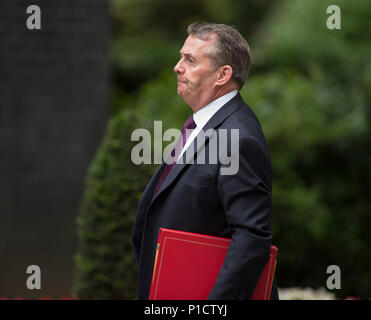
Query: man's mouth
(182, 80)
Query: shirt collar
(202, 116)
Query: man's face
(196, 77)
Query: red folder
(187, 265)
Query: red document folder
(187, 265)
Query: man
(188, 196)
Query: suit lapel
(231, 106)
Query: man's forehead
(194, 45)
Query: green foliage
(295, 36)
(316, 134)
(137, 60)
(105, 262)
(317, 120)
(149, 34)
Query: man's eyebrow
(186, 54)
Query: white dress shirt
(202, 116)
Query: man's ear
(224, 75)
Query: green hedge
(317, 136)
(105, 263)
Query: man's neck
(217, 94)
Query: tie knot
(190, 124)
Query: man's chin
(180, 91)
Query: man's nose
(179, 68)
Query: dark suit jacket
(198, 198)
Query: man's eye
(187, 58)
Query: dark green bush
(105, 262)
(319, 133)
(317, 136)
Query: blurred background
(72, 92)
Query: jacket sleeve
(246, 198)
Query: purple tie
(189, 124)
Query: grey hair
(230, 48)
